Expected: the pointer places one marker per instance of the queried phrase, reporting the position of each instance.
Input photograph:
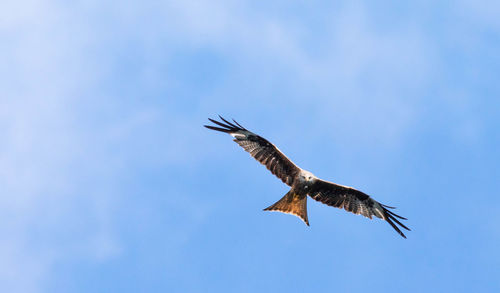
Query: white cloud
(44, 155)
(55, 155)
(66, 143)
(356, 71)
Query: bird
(303, 183)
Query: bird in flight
(303, 183)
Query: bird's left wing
(354, 201)
(261, 149)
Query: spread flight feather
(304, 183)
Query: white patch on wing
(377, 210)
(237, 135)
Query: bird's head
(306, 175)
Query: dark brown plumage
(304, 183)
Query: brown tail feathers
(293, 204)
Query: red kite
(303, 183)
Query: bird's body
(303, 183)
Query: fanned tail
(293, 204)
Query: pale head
(306, 176)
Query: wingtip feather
(230, 127)
(231, 124)
(239, 125)
(398, 216)
(217, 129)
(391, 218)
(395, 227)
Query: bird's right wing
(354, 201)
(261, 149)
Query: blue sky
(111, 184)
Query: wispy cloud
(52, 176)
(69, 142)
(91, 91)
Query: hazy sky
(109, 182)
